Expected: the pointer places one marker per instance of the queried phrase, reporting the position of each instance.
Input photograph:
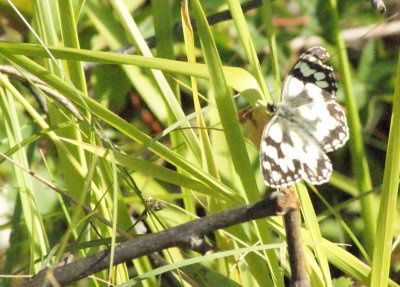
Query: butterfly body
(306, 125)
(284, 111)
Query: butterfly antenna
(377, 25)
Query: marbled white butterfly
(306, 125)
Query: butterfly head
(318, 52)
(271, 108)
(280, 110)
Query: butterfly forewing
(310, 122)
(309, 92)
(310, 74)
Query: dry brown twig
(295, 246)
(189, 235)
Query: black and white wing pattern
(307, 124)
(309, 92)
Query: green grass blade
(237, 78)
(163, 31)
(175, 110)
(195, 260)
(245, 37)
(104, 21)
(152, 170)
(38, 243)
(115, 121)
(337, 255)
(226, 108)
(311, 222)
(387, 209)
(234, 136)
(273, 50)
(70, 39)
(359, 160)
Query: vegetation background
(144, 140)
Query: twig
(189, 235)
(295, 247)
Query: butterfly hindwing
(325, 121)
(279, 168)
(289, 154)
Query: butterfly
(307, 124)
